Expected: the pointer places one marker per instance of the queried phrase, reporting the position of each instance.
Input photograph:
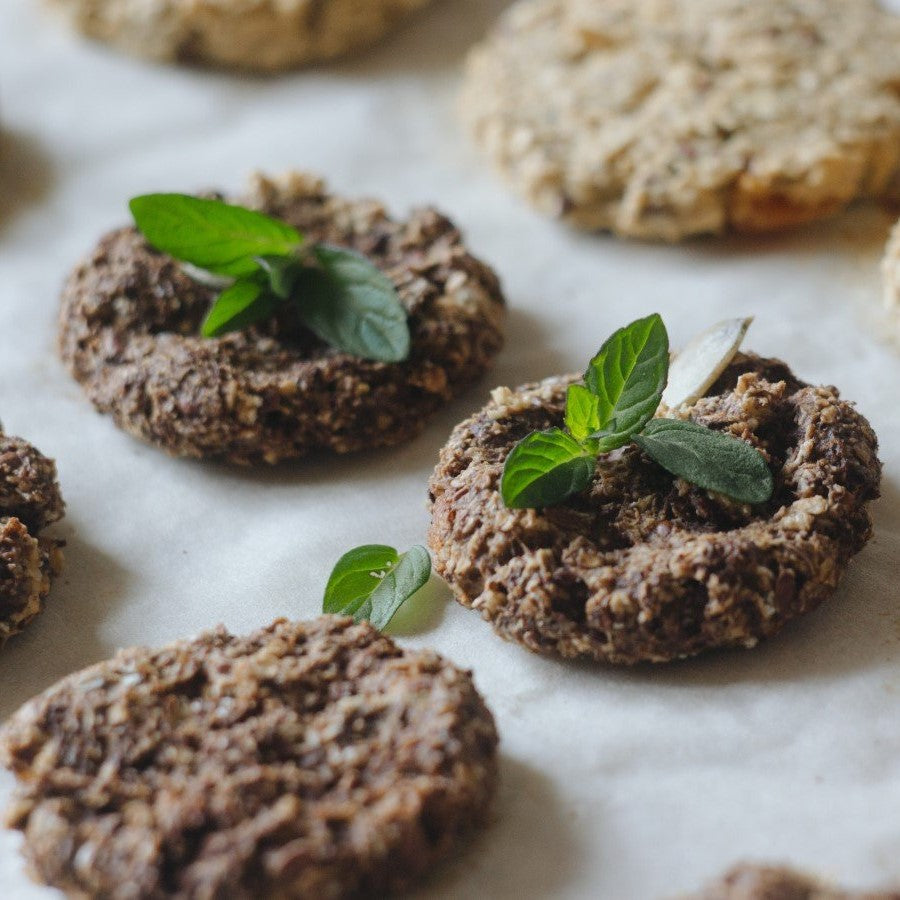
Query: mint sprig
(337, 293)
(615, 406)
(373, 581)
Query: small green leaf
(710, 459)
(243, 304)
(372, 582)
(544, 469)
(211, 234)
(582, 411)
(357, 573)
(409, 575)
(628, 376)
(351, 305)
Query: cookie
(30, 500)
(313, 759)
(258, 35)
(751, 882)
(643, 566)
(661, 119)
(129, 332)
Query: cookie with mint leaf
(638, 553)
(282, 322)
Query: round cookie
(129, 332)
(314, 759)
(661, 119)
(644, 566)
(754, 882)
(258, 35)
(29, 501)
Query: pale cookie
(662, 119)
(306, 760)
(261, 35)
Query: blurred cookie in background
(662, 119)
(257, 35)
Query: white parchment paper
(616, 784)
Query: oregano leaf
(373, 581)
(710, 459)
(353, 306)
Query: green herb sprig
(622, 390)
(337, 293)
(373, 581)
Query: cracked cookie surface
(129, 332)
(313, 759)
(643, 566)
(259, 35)
(661, 119)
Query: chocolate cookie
(129, 332)
(642, 565)
(258, 35)
(750, 882)
(312, 759)
(29, 501)
(662, 119)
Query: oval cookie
(643, 566)
(129, 332)
(258, 35)
(662, 119)
(312, 759)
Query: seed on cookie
(662, 120)
(314, 759)
(130, 333)
(239, 34)
(638, 564)
(756, 882)
(30, 500)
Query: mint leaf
(211, 234)
(582, 411)
(351, 305)
(372, 582)
(628, 376)
(239, 306)
(710, 459)
(544, 469)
